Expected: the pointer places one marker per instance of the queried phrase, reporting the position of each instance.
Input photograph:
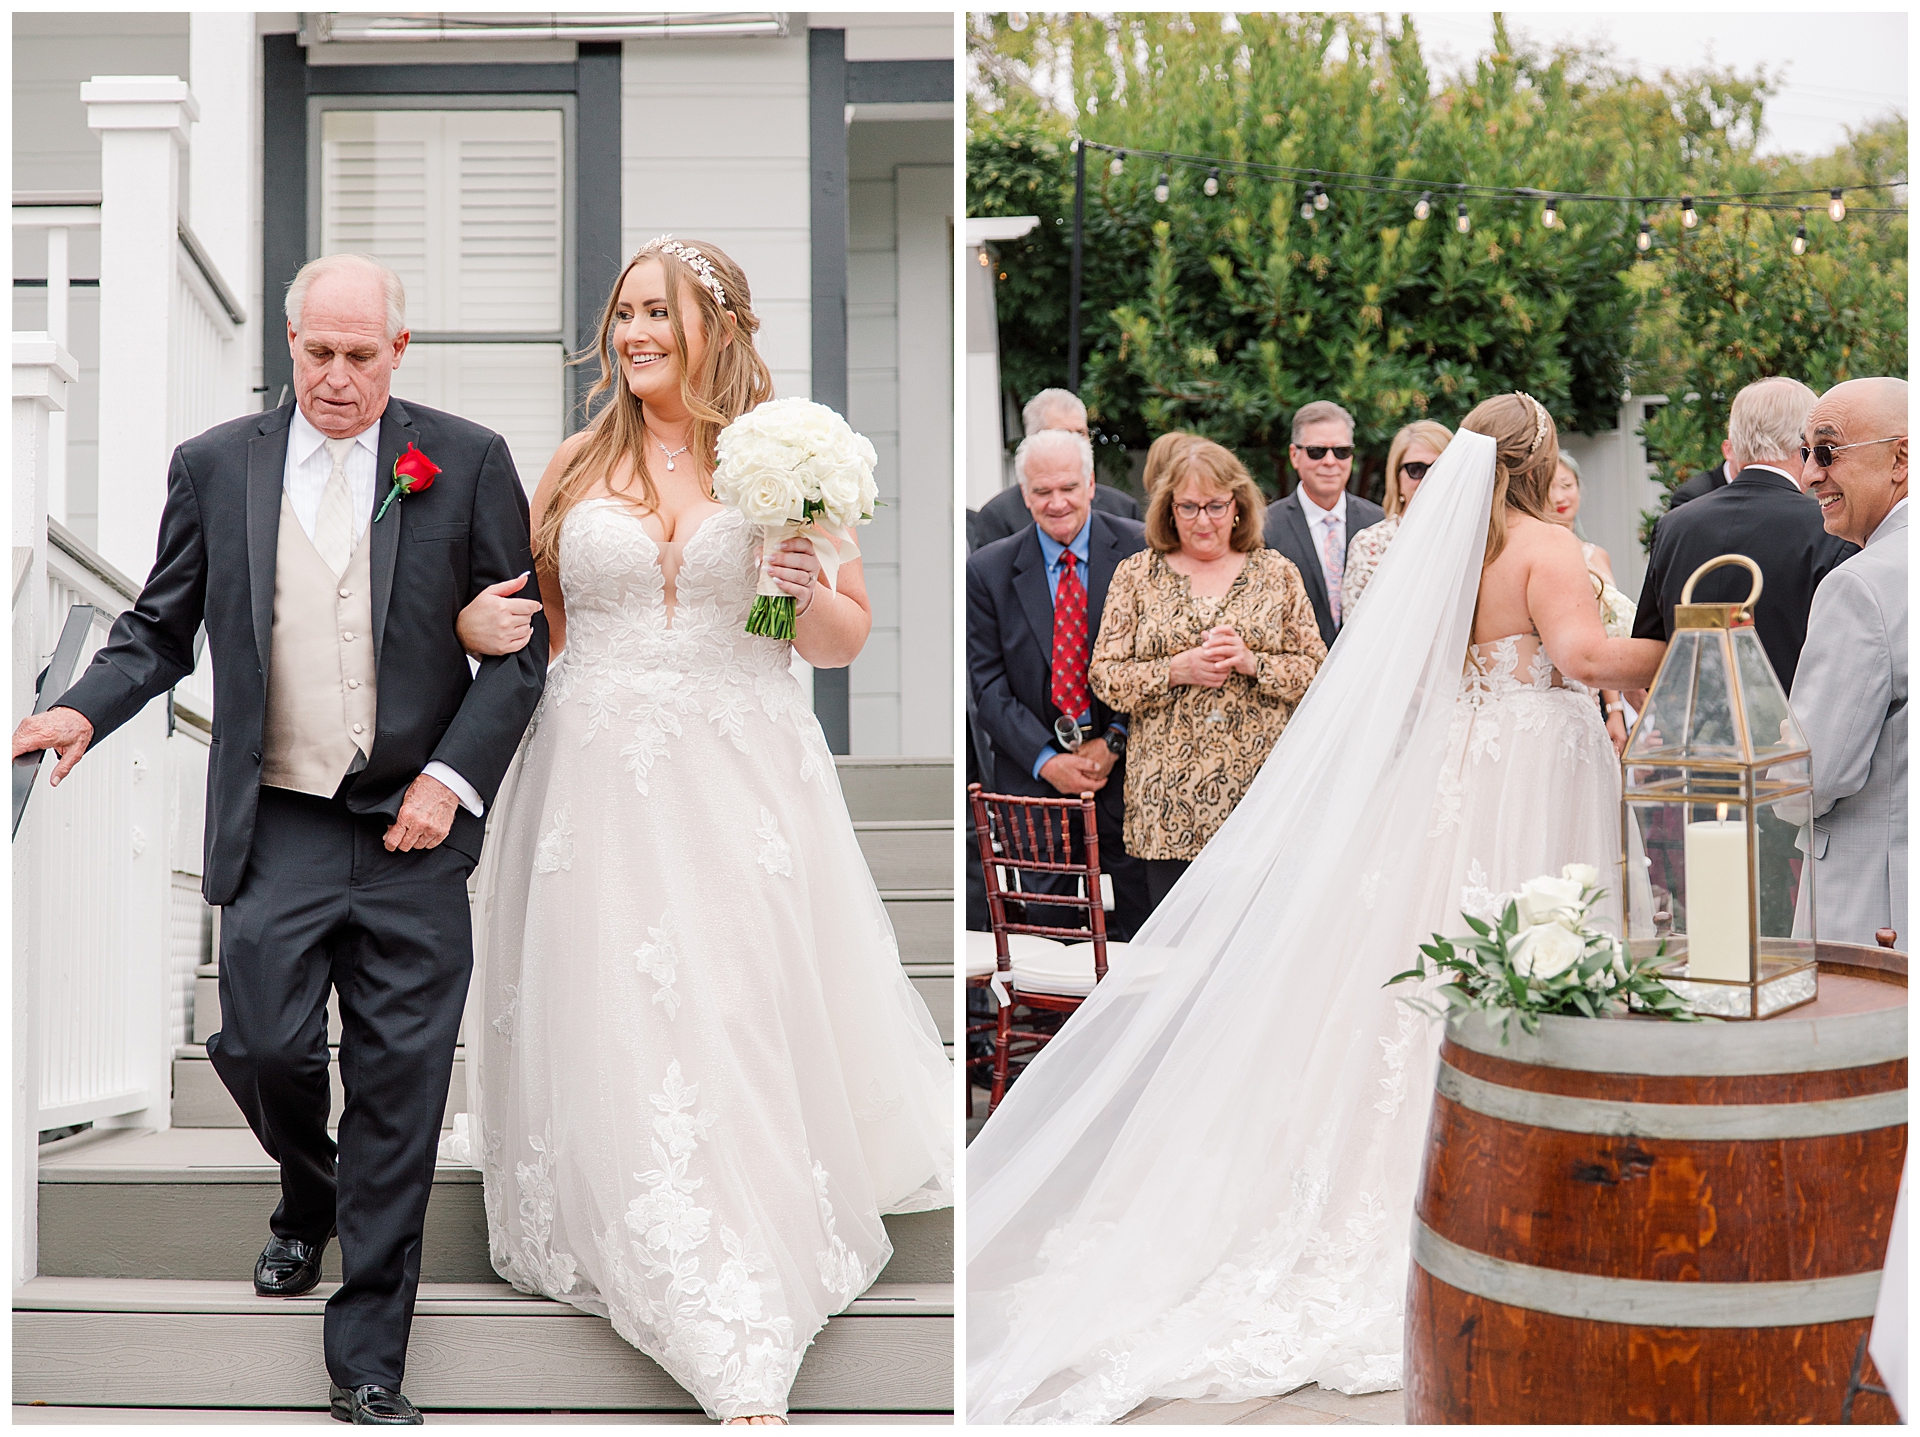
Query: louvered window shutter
(468, 207)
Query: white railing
(59, 214)
(206, 331)
(100, 876)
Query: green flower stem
(772, 616)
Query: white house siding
(54, 53)
(910, 619)
(713, 141)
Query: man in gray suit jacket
(1850, 693)
(1315, 524)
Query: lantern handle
(1686, 590)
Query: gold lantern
(1711, 876)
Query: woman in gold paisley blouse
(1207, 643)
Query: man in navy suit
(1316, 523)
(1034, 603)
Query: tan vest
(320, 682)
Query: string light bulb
(1423, 206)
(1799, 245)
(1836, 207)
(1460, 220)
(1550, 216)
(1320, 200)
(1164, 188)
(1115, 168)
(1689, 216)
(1644, 240)
(1306, 206)
(1212, 186)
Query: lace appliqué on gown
(678, 1131)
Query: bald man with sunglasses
(1316, 524)
(1850, 694)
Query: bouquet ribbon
(832, 545)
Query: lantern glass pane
(1769, 721)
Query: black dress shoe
(289, 1267)
(372, 1406)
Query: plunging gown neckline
(664, 550)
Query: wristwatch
(1116, 741)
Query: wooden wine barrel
(1645, 1221)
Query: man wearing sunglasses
(1317, 522)
(1850, 694)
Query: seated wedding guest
(1761, 513)
(1316, 524)
(1006, 513)
(1034, 603)
(1208, 642)
(1616, 609)
(1414, 451)
(1850, 691)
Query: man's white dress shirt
(1319, 523)
(309, 466)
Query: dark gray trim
(441, 79)
(827, 71)
(898, 82)
(284, 198)
(598, 248)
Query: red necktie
(1070, 643)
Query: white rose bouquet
(795, 468)
(1542, 956)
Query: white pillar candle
(1717, 899)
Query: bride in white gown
(1203, 1187)
(702, 1073)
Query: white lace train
(702, 1075)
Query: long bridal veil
(1202, 1187)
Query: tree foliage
(1224, 314)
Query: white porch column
(42, 374)
(142, 123)
(223, 181)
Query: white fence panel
(100, 865)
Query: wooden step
(192, 1204)
(478, 1346)
(201, 1100)
(914, 854)
(897, 787)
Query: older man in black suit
(1006, 513)
(1034, 603)
(354, 753)
(1762, 513)
(1316, 523)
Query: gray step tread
(201, 1099)
(192, 1203)
(45, 1416)
(436, 1299)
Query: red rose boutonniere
(412, 472)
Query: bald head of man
(1861, 425)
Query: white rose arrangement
(793, 468)
(1542, 957)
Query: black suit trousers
(324, 905)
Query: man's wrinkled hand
(426, 816)
(66, 731)
(1072, 775)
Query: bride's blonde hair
(732, 379)
(1526, 452)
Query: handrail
(54, 684)
(210, 272)
(77, 549)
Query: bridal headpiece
(701, 266)
(1539, 422)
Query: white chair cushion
(981, 957)
(1066, 972)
